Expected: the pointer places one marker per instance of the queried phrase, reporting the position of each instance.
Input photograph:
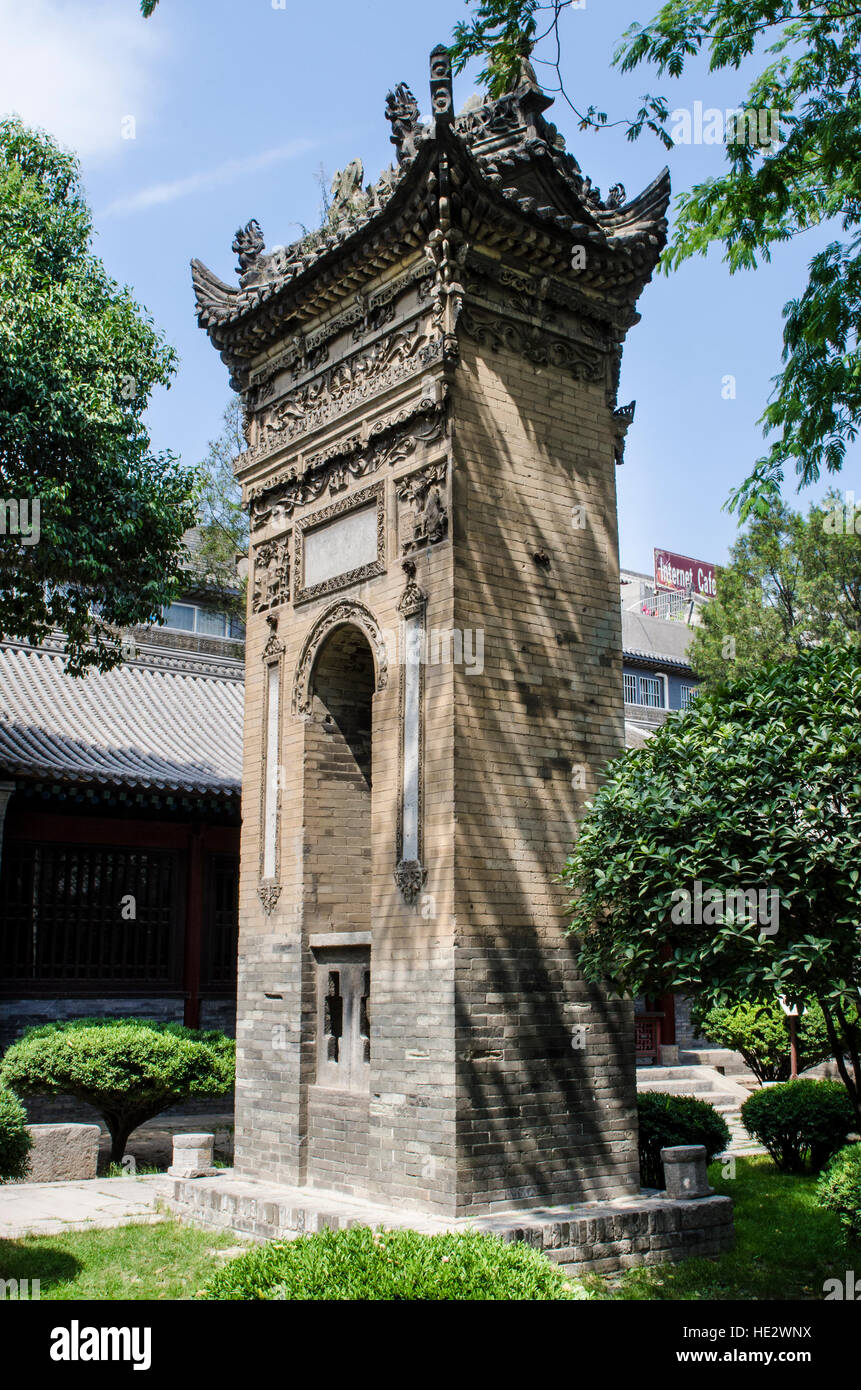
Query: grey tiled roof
(161, 720)
(655, 639)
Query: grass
(158, 1261)
(786, 1247)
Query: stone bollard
(685, 1172)
(192, 1156)
(63, 1153)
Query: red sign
(683, 575)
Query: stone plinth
(686, 1172)
(192, 1156)
(63, 1153)
(586, 1238)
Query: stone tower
(433, 664)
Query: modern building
(657, 631)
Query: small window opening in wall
(343, 1013)
(333, 1022)
(365, 1016)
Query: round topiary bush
(667, 1120)
(15, 1138)
(839, 1189)
(801, 1123)
(127, 1069)
(390, 1265)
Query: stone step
(721, 1058)
(675, 1073)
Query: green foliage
(222, 529)
(667, 1120)
(801, 1123)
(756, 787)
(78, 361)
(791, 583)
(129, 1070)
(809, 75)
(359, 1263)
(15, 1141)
(760, 1032)
(771, 193)
(839, 1189)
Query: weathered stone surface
(192, 1156)
(686, 1172)
(63, 1153)
(610, 1239)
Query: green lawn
(160, 1261)
(786, 1248)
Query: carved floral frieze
(271, 575)
(390, 441)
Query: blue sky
(235, 106)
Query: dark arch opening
(338, 779)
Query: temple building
(119, 825)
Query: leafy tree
(760, 1032)
(790, 583)
(771, 191)
(222, 529)
(101, 546)
(127, 1069)
(757, 787)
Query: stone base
(589, 1238)
(63, 1153)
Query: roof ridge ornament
(441, 87)
(402, 112)
(248, 244)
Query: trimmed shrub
(127, 1069)
(667, 1120)
(839, 1189)
(801, 1123)
(760, 1032)
(359, 1263)
(15, 1141)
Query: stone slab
(63, 1153)
(53, 1207)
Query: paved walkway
(47, 1208)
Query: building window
(689, 694)
(206, 622)
(644, 690)
(344, 1017)
(220, 922)
(80, 915)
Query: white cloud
(78, 69)
(159, 193)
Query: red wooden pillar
(193, 926)
(667, 1005)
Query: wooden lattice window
(85, 915)
(220, 922)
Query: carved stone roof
(161, 720)
(507, 177)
